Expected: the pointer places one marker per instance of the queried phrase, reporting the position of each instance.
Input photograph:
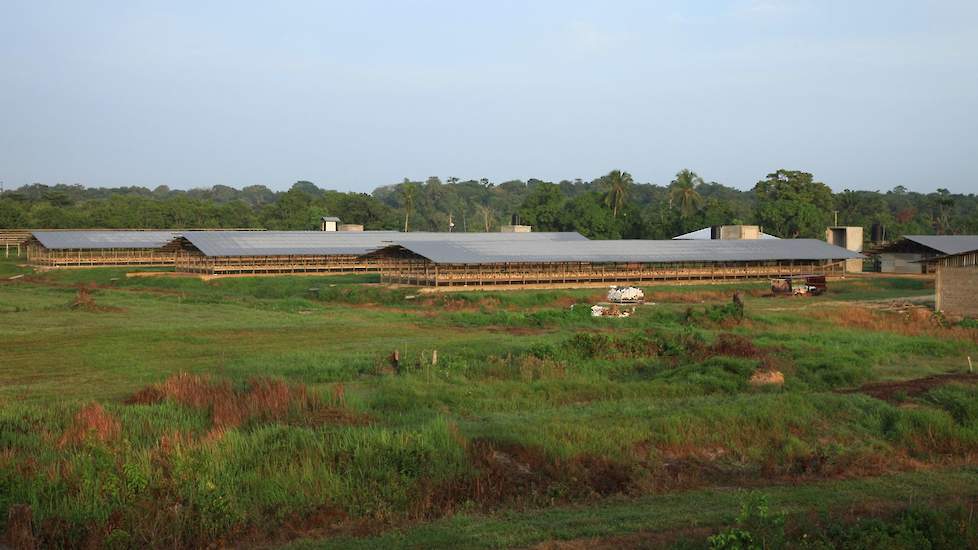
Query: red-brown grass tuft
(91, 422)
(915, 321)
(84, 301)
(261, 400)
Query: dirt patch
(19, 529)
(771, 366)
(91, 423)
(260, 400)
(734, 345)
(322, 523)
(895, 392)
(515, 475)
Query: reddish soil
(19, 528)
(895, 391)
(519, 476)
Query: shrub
(757, 526)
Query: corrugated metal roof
(947, 244)
(483, 252)
(706, 234)
(103, 239)
(281, 243)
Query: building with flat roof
(485, 263)
(270, 252)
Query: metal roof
(330, 219)
(295, 243)
(103, 239)
(707, 234)
(946, 244)
(639, 251)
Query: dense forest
(785, 203)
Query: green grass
(695, 509)
(528, 395)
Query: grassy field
(268, 411)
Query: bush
(968, 323)
(757, 526)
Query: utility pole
(836, 212)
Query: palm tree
(407, 194)
(617, 184)
(682, 192)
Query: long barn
(100, 248)
(490, 263)
(284, 252)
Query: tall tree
(683, 193)
(408, 193)
(943, 203)
(543, 208)
(792, 204)
(487, 216)
(617, 185)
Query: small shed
(329, 223)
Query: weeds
(260, 400)
(91, 423)
(758, 526)
(286, 426)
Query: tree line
(786, 203)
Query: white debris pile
(625, 295)
(610, 311)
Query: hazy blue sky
(356, 94)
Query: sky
(354, 95)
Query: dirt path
(895, 391)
